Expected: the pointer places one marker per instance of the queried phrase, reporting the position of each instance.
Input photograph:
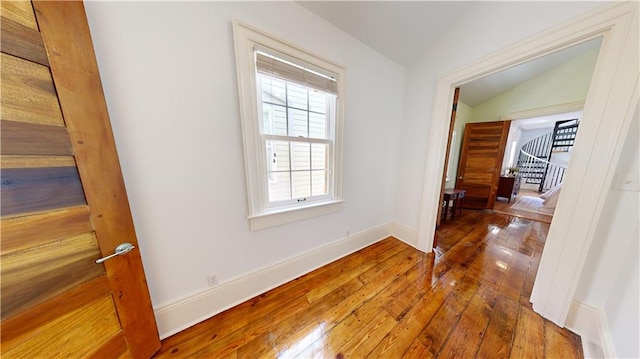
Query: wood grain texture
(79, 323)
(401, 336)
(36, 161)
(21, 138)
(114, 347)
(32, 276)
(472, 325)
(67, 38)
(29, 190)
(483, 146)
(363, 341)
(417, 350)
(28, 94)
(437, 330)
(559, 343)
(23, 42)
(20, 327)
(20, 12)
(30, 231)
(496, 342)
(403, 304)
(528, 341)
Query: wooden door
(481, 156)
(452, 121)
(64, 203)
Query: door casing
(613, 95)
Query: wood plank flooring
(502, 206)
(470, 298)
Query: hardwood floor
(470, 298)
(502, 206)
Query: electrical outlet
(348, 233)
(213, 279)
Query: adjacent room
(335, 179)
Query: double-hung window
(291, 119)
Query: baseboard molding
(592, 326)
(406, 234)
(192, 309)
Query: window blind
(277, 66)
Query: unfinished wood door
(64, 203)
(452, 121)
(481, 156)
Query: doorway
(612, 95)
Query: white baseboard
(592, 326)
(406, 234)
(192, 309)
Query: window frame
(261, 214)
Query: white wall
(168, 72)
(567, 83)
(528, 135)
(610, 280)
(483, 29)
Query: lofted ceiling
(402, 30)
(485, 88)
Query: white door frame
(607, 114)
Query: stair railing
(554, 172)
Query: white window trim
(260, 215)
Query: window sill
(275, 218)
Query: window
(291, 121)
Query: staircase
(533, 157)
(534, 163)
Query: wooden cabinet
(508, 187)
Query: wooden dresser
(508, 187)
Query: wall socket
(213, 279)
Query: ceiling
(402, 30)
(545, 121)
(485, 88)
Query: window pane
(274, 119)
(301, 184)
(319, 183)
(318, 156)
(297, 96)
(300, 156)
(298, 123)
(317, 125)
(273, 90)
(282, 156)
(317, 101)
(277, 156)
(279, 186)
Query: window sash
(328, 169)
(296, 139)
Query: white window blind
(284, 67)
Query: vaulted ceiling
(402, 30)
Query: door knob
(124, 248)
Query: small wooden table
(457, 196)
